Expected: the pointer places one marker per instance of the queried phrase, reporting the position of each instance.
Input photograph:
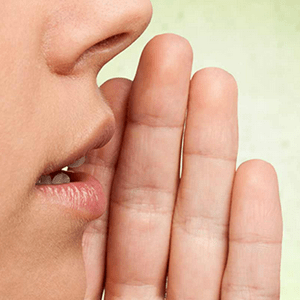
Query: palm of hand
(215, 232)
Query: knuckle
(245, 291)
(255, 238)
(200, 226)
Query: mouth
(79, 193)
(75, 192)
(62, 182)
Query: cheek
(19, 134)
(36, 235)
(20, 75)
(23, 82)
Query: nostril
(111, 45)
(109, 42)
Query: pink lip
(83, 196)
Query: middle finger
(146, 180)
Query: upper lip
(96, 140)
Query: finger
(201, 217)
(101, 164)
(146, 181)
(253, 266)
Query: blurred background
(258, 42)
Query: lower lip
(83, 196)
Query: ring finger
(201, 218)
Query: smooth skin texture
(215, 231)
(51, 108)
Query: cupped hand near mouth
(215, 232)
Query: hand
(215, 232)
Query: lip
(83, 197)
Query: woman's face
(51, 114)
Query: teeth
(58, 179)
(61, 178)
(77, 163)
(45, 179)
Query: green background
(258, 42)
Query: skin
(216, 230)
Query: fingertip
(258, 175)
(172, 46)
(116, 87)
(165, 57)
(218, 88)
(255, 201)
(116, 93)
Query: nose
(81, 36)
